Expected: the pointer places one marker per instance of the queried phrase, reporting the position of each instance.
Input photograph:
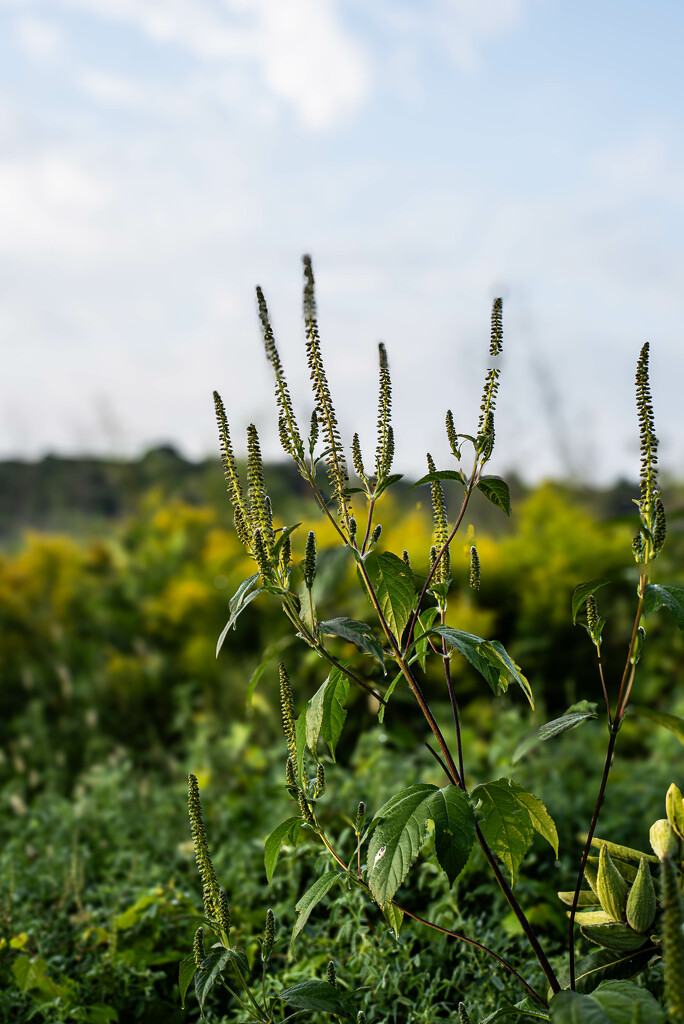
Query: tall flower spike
(287, 710)
(451, 435)
(496, 343)
(269, 936)
(441, 525)
(313, 431)
(261, 556)
(485, 427)
(198, 947)
(231, 474)
(474, 568)
(223, 915)
(660, 526)
(649, 441)
(202, 855)
(385, 449)
(357, 458)
(310, 560)
(260, 514)
(290, 437)
(327, 417)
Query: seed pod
(593, 917)
(641, 902)
(674, 805)
(664, 840)
(611, 887)
(591, 875)
(614, 935)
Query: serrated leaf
(396, 840)
(387, 482)
(386, 696)
(392, 581)
(210, 974)
(311, 898)
(289, 828)
(551, 729)
(326, 712)
(359, 633)
(612, 1002)
(394, 918)
(527, 1009)
(604, 965)
(584, 591)
(452, 812)
(489, 657)
(245, 593)
(442, 474)
(317, 995)
(671, 722)
(511, 814)
(496, 490)
(186, 972)
(672, 598)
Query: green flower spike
(290, 778)
(384, 453)
(331, 974)
(290, 438)
(496, 343)
(313, 432)
(231, 474)
(306, 812)
(198, 947)
(260, 514)
(441, 526)
(310, 560)
(261, 556)
(287, 710)
(375, 535)
(202, 855)
(485, 430)
(357, 458)
(360, 1017)
(269, 936)
(320, 782)
(223, 916)
(474, 568)
(405, 558)
(463, 1014)
(451, 434)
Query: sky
(160, 158)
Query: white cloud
(38, 38)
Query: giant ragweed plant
(622, 912)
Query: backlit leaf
(311, 898)
(672, 598)
(584, 591)
(392, 581)
(496, 490)
(510, 815)
(245, 593)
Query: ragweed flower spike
(290, 779)
(269, 936)
(385, 449)
(648, 439)
(320, 782)
(261, 555)
(287, 710)
(231, 474)
(496, 343)
(357, 458)
(290, 438)
(198, 947)
(310, 560)
(485, 428)
(331, 974)
(452, 436)
(474, 568)
(223, 915)
(202, 856)
(313, 432)
(327, 417)
(441, 525)
(260, 513)
(463, 1014)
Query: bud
(331, 976)
(360, 815)
(474, 568)
(375, 536)
(641, 902)
(674, 806)
(664, 840)
(198, 947)
(269, 936)
(463, 1014)
(611, 887)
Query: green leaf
(442, 474)
(554, 728)
(392, 581)
(672, 598)
(584, 591)
(394, 918)
(527, 1009)
(317, 995)
(326, 712)
(245, 593)
(387, 482)
(603, 965)
(300, 742)
(286, 829)
(186, 972)
(489, 657)
(386, 696)
(359, 633)
(397, 839)
(612, 1002)
(510, 816)
(420, 644)
(285, 532)
(452, 812)
(311, 898)
(496, 490)
(671, 722)
(210, 974)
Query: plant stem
(371, 509)
(454, 706)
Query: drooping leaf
(245, 593)
(326, 712)
(527, 1009)
(210, 974)
(672, 598)
(287, 829)
(392, 581)
(671, 722)
(452, 812)
(604, 965)
(489, 657)
(396, 840)
(584, 591)
(510, 815)
(317, 995)
(311, 898)
(388, 693)
(359, 633)
(186, 972)
(394, 918)
(554, 728)
(442, 474)
(496, 490)
(611, 1002)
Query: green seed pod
(591, 875)
(641, 902)
(463, 1014)
(269, 936)
(674, 805)
(331, 975)
(664, 840)
(198, 947)
(611, 887)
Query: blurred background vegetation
(115, 579)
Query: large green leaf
(359, 633)
(452, 812)
(311, 898)
(612, 1002)
(245, 593)
(672, 598)
(671, 722)
(210, 974)
(441, 474)
(288, 829)
(317, 995)
(555, 728)
(603, 965)
(584, 591)
(527, 1009)
(496, 490)
(489, 657)
(397, 839)
(392, 581)
(510, 816)
(186, 972)
(326, 712)
(394, 918)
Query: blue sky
(158, 158)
